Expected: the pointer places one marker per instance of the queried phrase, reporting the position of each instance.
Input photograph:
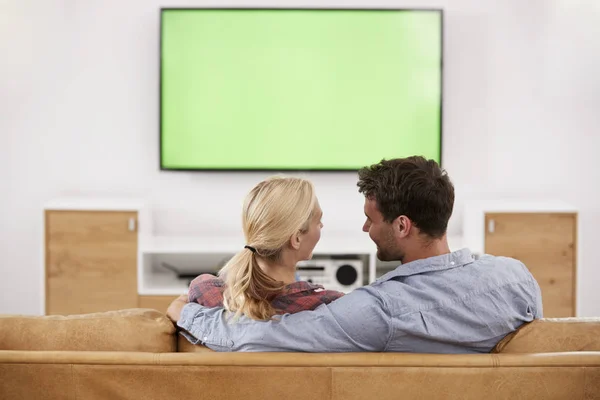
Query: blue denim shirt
(446, 304)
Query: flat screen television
(298, 89)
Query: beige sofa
(137, 354)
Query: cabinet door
(545, 243)
(90, 261)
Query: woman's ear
(295, 240)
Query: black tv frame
(273, 170)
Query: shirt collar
(437, 263)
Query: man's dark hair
(415, 187)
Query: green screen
(288, 89)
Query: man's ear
(402, 226)
(295, 240)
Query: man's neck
(426, 248)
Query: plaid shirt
(207, 290)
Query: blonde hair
(274, 210)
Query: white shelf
(191, 254)
(163, 285)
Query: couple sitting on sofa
(436, 301)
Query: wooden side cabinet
(90, 261)
(546, 243)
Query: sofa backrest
(552, 335)
(147, 330)
(136, 329)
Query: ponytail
(248, 290)
(273, 211)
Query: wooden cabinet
(546, 244)
(91, 261)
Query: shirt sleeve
(356, 322)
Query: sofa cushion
(551, 335)
(135, 329)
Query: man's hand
(174, 310)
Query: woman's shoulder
(301, 296)
(207, 279)
(305, 286)
(207, 290)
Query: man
(436, 301)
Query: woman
(282, 224)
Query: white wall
(79, 103)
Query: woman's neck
(283, 270)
